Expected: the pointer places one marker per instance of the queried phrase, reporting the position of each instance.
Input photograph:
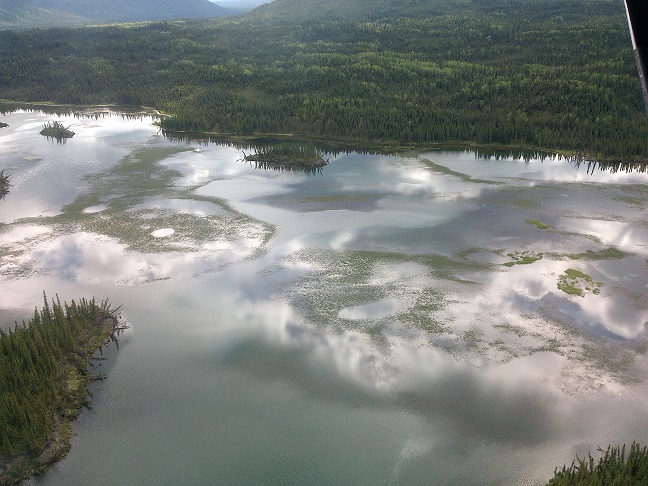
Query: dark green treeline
(562, 82)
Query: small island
(44, 376)
(56, 130)
(287, 157)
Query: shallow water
(390, 320)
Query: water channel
(439, 318)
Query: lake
(442, 318)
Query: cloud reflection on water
(375, 297)
(510, 404)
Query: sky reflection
(400, 316)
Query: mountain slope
(359, 10)
(44, 13)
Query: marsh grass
(525, 257)
(537, 224)
(575, 282)
(128, 192)
(441, 169)
(355, 284)
(610, 253)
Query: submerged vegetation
(614, 468)
(537, 224)
(552, 76)
(575, 282)
(610, 253)
(43, 372)
(56, 130)
(522, 258)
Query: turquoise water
(355, 326)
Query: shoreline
(390, 147)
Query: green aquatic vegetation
(421, 314)
(613, 468)
(575, 282)
(465, 254)
(633, 200)
(610, 253)
(512, 328)
(525, 257)
(124, 191)
(345, 279)
(615, 360)
(537, 224)
(339, 280)
(551, 345)
(472, 338)
(440, 169)
(559, 343)
(138, 175)
(525, 203)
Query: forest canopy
(563, 80)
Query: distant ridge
(47, 13)
(359, 10)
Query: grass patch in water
(610, 253)
(365, 277)
(635, 201)
(441, 169)
(140, 176)
(537, 224)
(551, 345)
(575, 282)
(614, 360)
(525, 203)
(525, 257)
(137, 178)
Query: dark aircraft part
(637, 11)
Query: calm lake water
(435, 319)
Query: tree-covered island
(43, 381)
(540, 74)
(56, 130)
(287, 156)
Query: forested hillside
(557, 75)
(515, 10)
